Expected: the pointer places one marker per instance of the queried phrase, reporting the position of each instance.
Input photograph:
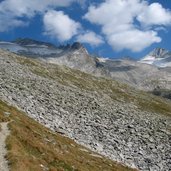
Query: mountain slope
(141, 76)
(108, 117)
(34, 147)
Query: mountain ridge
(138, 74)
(29, 41)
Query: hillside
(108, 117)
(33, 147)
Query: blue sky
(108, 28)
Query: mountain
(33, 48)
(134, 73)
(104, 115)
(74, 56)
(159, 57)
(141, 76)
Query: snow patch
(103, 59)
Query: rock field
(116, 129)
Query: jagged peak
(77, 45)
(158, 52)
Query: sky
(107, 28)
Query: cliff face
(111, 118)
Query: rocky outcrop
(117, 129)
(159, 53)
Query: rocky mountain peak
(158, 52)
(76, 46)
(159, 57)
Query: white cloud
(10, 23)
(127, 24)
(155, 14)
(90, 38)
(14, 10)
(60, 26)
(30, 7)
(119, 21)
(115, 11)
(134, 39)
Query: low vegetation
(32, 147)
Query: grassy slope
(32, 147)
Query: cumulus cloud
(133, 39)
(126, 24)
(29, 8)
(14, 10)
(90, 38)
(10, 23)
(123, 22)
(60, 26)
(155, 14)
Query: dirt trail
(4, 132)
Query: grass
(32, 147)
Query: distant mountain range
(151, 72)
(158, 57)
(33, 48)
